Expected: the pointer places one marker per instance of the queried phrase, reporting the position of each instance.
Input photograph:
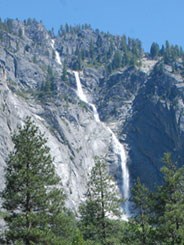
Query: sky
(148, 20)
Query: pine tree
(78, 239)
(34, 204)
(117, 60)
(159, 218)
(102, 201)
(64, 74)
(142, 198)
(170, 204)
(154, 50)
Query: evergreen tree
(159, 218)
(142, 198)
(64, 74)
(34, 204)
(123, 43)
(162, 50)
(78, 239)
(137, 48)
(117, 60)
(170, 204)
(154, 50)
(49, 85)
(91, 50)
(102, 201)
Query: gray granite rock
(142, 105)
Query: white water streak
(57, 56)
(117, 146)
(83, 97)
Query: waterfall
(83, 97)
(120, 150)
(57, 56)
(117, 146)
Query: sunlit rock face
(141, 105)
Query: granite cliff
(139, 97)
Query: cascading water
(120, 151)
(58, 59)
(83, 97)
(117, 146)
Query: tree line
(33, 202)
(169, 52)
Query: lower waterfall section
(118, 148)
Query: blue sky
(147, 20)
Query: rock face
(143, 105)
(73, 135)
(156, 125)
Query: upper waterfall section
(57, 56)
(83, 97)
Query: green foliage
(64, 29)
(48, 87)
(160, 216)
(142, 198)
(35, 206)
(78, 239)
(64, 74)
(154, 50)
(116, 62)
(171, 53)
(96, 48)
(170, 204)
(102, 200)
(7, 25)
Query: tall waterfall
(117, 146)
